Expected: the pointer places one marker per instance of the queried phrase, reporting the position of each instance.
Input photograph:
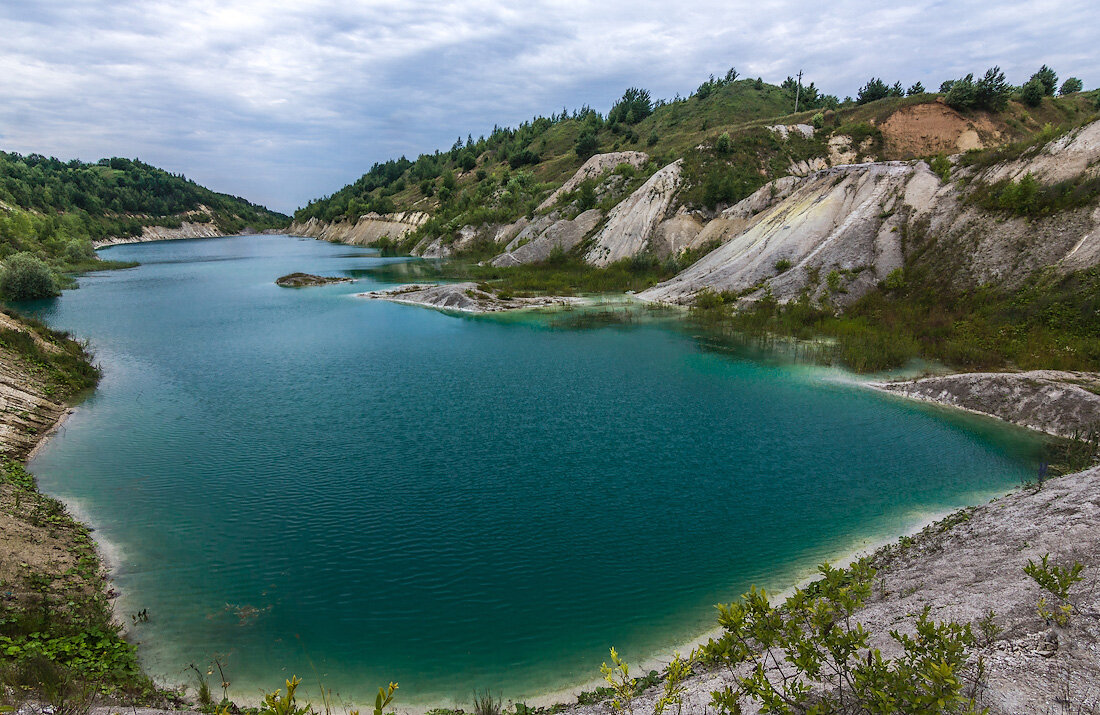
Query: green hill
(720, 131)
(55, 209)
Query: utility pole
(797, 91)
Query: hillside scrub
(1053, 322)
(23, 276)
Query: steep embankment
(367, 231)
(60, 645)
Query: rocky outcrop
(462, 298)
(676, 234)
(836, 233)
(1073, 155)
(27, 412)
(564, 234)
(836, 220)
(163, 233)
(785, 131)
(632, 222)
(593, 168)
(1065, 404)
(367, 231)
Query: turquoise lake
(303, 481)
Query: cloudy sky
(282, 102)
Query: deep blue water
(457, 502)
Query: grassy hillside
(720, 131)
(53, 210)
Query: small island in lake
(303, 280)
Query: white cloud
(285, 101)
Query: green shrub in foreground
(26, 277)
(822, 659)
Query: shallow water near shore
(355, 491)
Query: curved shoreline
(564, 695)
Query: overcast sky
(281, 102)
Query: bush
(818, 120)
(587, 144)
(653, 139)
(1057, 580)
(27, 277)
(1071, 85)
(586, 195)
(722, 146)
(828, 663)
(1032, 93)
(523, 158)
(915, 89)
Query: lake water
(303, 481)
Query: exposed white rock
(834, 220)
(1075, 154)
(463, 298)
(785, 130)
(593, 167)
(1064, 404)
(564, 234)
(632, 222)
(366, 231)
(187, 229)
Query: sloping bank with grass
(59, 643)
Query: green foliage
(1071, 85)
(1032, 92)
(875, 89)
(587, 144)
(617, 676)
(989, 627)
(384, 698)
(1047, 78)
(275, 703)
(523, 157)
(563, 274)
(915, 89)
(1051, 322)
(586, 195)
(107, 198)
(820, 659)
(782, 265)
(1056, 580)
(941, 166)
(26, 277)
(63, 365)
(723, 144)
(635, 105)
(486, 704)
(675, 675)
(1028, 197)
(818, 120)
(991, 92)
